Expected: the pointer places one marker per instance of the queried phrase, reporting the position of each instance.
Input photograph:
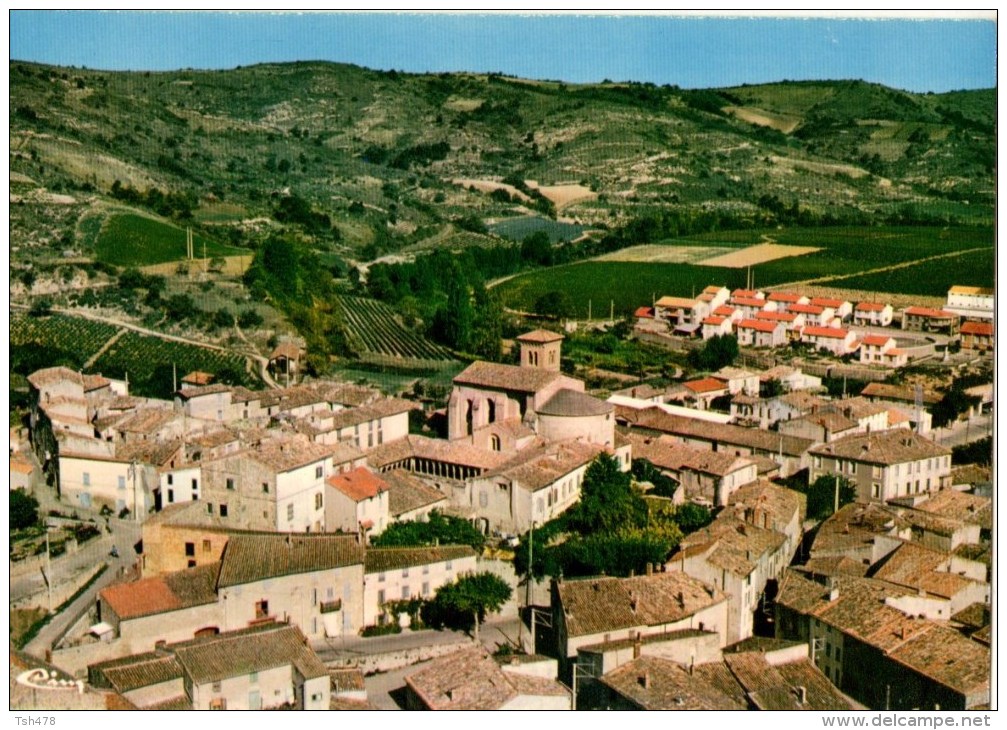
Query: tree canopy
(439, 529)
(822, 495)
(23, 510)
(718, 352)
(465, 603)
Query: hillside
(358, 169)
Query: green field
(60, 339)
(377, 336)
(127, 239)
(970, 269)
(845, 251)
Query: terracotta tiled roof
(705, 385)
(471, 680)
(929, 313)
(95, 382)
(450, 452)
(723, 311)
(676, 303)
(776, 316)
(379, 560)
(898, 393)
(746, 293)
(537, 467)
(568, 402)
(914, 566)
(747, 302)
(19, 465)
(675, 456)
(600, 605)
(407, 492)
(784, 296)
(830, 332)
(730, 544)
(198, 377)
(656, 683)
(289, 350)
(51, 376)
(884, 448)
(239, 653)
(644, 313)
(506, 377)
(711, 320)
(170, 592)
(202, 390)
(870, 307)
(806, 309)
(876, 340)
(289, 454)
(540, 336)
(133, 672)
(977, 328)
(759, 325)
(960, 506)
(251, 558)
(778, 686)
(359, 484)
(827, 302)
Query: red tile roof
(870, 307)
(928, 312)
(875, 340)
(358, 484)
(644, 312)
(784, 296)
(807, 309)
(724, 311)
(757, 324)
(752, 293)
(834, 332)
(714, 320)
(776, 316)
(977, 328)
(748, 302)
(706, 385)
(539, 336)
(827, 302)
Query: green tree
(452, 325)
(822, 495)
(554, 304)
(439, 529)
(608, 501)
(23, 510)
(537, 249)
(466, 602)
(719, 351)
(487, 325)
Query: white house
(881, 350)
(837, 341)
(873, 314)
(815, 315)
(840, 307)
(402, 573)
(716, 326)
(785, 299)
(760, 333)
(971, 301)
(356, 501)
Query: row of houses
(779, 318)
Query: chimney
(637, 646)
(650, 568)
(833, 594)
(644, 680)
(802, 695)
(902, 632)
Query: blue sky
(916, 55)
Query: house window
(318, 472)
(195, 496)
(405, 593)
(265, 487)
(318, 501)
(495, 442)
(223, 510)
(818, 462)
(262, 608)
(405, 572)
(426, 589)
(381, 597)
(86, 477)
(853, 467)
(207, 546)
(290, 512)
(876, 490)
(230, 483)
(122, 483)
(171, 496)
(876, 472)
(209, 508)
(447, 565)
(171, 479)
(253, 677)
(190, 563)
(195, 484)
(426, 570)
(483, 499)
(381, 577)
(216, 688)
(190, 549)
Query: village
(248, 570)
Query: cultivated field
(785, 123)
(488, 186)
(377, 335)
(127, 239)
(758, 254)
(517, 229)
(78, 338)
(917, 261)
(665, 254)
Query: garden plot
(758, 254)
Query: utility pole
(529, 579)
(48, 566)
(836, 508)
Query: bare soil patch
(785, 123)
(488, 186)
(563, 195)
(820, 168)
(233, 266)
(758, 254)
